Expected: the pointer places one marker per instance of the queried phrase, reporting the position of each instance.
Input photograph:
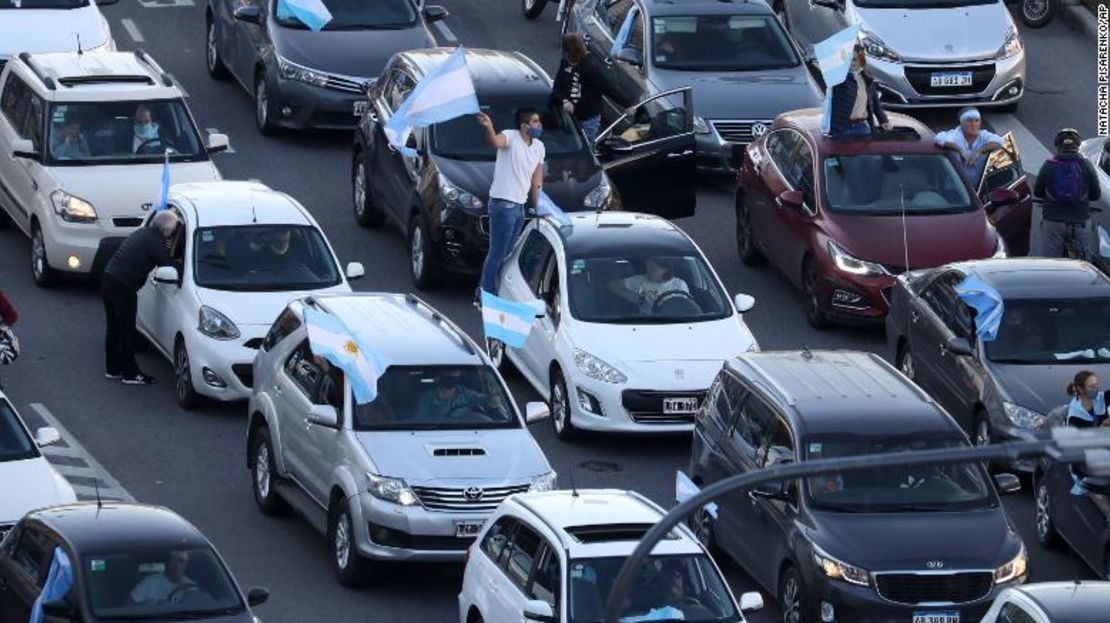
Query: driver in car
(146, 128)
(449, 398)
(168, 585)
(644, 290)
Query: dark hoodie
(574, 84)
(1060, 212)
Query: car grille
(453, 499)
(739, 131)
(918, 77)
(244, 372)
(916, 588)
(127, 221)
(646, 407)
(346, 84)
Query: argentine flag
(625, 32)
(445, 93)
(506, 321)
(311, 13)
(986, 301)
(329, 338)
(546, 207)
(834, 57)
(58, 582)
(163, 197)
(684, 489)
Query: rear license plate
(361, 107)
(470, 528)
(952, 79)
(679, 405)
(936, 617)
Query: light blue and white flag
(58, 582)
(164, 193)
(834, 58)
(546, 207)
(330, 338)
(625, 33)
(684, 489)
(445, 93)
(311, 13)
(507, 321)
(986, 301)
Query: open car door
(649, 154)
(1012, 220)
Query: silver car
(1097, 151)
(409, 476)
(925, 53)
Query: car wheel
(1046, 524)
(792, 598)
(816, 306)
(264, 474)
(183, 389)
(905, 362)
(532, 8)
(216, 67)
(495, 349)
(745, 236)
(366, 213)
(1037, 13)
(422, 259)
(351, 569)
(560, 408)
(703, 525)
(263, 107)
(43, 275)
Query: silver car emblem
(758, 130)
(473, 494)
(934, 564)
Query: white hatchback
(243, 252)
(38, 26)
(637, 322)
(26, 477)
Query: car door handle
(277, 389)
(608, 61)
(681, 154)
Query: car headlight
(597, 369)
(390, 490)
(875, 47)
(1013, 569)
(999, 249)
(854, 265)
(216, 325)
(599, 197)
(1022, 417)
(701, 126)
(72, 209)
(458, 198)
(838, 570)
(1011, 46)
(292, 71)
(543, 482)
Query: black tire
(213, 62)
(183, 389)
(1036, 13)
(495, 349)
(905, 361)
(5, 219)
(1045, 523)
(43, 275)
(817, 305)
(366, 213)
(703, 525)
(791, 589)
(263, 107)
(532, 8)
(351, 569)
(746, 246)
(560, 408)
(264, 475)
(423, 262)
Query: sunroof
(606, 533)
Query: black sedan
(301, 78)
(129, 561)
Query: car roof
(89, 527)
(225, 203)
(401, 328)
(842, 391)
(1040, 278)
(100, 76)
(599, 232)
(707, 7)
(1074, 602)
(494, 72)
(809, 121)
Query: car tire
(366, 213)
(183, 389)
(264, 475)
(495, 350)
(905, 361)
(263, 107)
(215, 64)
(423, 264)
(1045, 523)
(1036, 14)
(561, 418)
(746, 247)
(532, 8)
(41, 272)
(703, 525)
(5, 219)
(351, 569)
(792, 602)
(817, 309)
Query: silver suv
(410, 476)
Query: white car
(1052, 602)
(553, 557)
(38, 26)
(83, 139)
(26, 478)
(242, 253)
(637, 323)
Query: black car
(129, 562)
(743, 66)
(905, 544)
(1078, 514)
(438, 197)
(301, 78)
(1054, 319)
(1053, 602)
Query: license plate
(954, 79)
(361, 107)
(936, 617)
(680, 405)
(469, 528)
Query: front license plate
(468, 528)
(680, 405)
(936, 617)
(361, 107)
(952, 79)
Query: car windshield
(645, 286)
(912, 488)
(15, 444)
(263, 258)
(720, 43)
(888, 184)
(1051, 332)
(462, 138)
(440, 397)
(669, 588)
(918, 4)
(139, 132)
(356, 15)
(167, 582)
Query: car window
(462, 138)
(889, 184)
(545, 579)
(127, 132)
(348, 15)
(15, 444)
(779, 145)
(285, 324)
(662, 116)
(523, 548)
(550, 291)
(796, 164)
(533, 254)
(720, 42)
(15, 102)
(777, 447)
(734, 393)
(755, 424)
(30, 554)
(941, 297)
(1013, 613)
(304, 372)
(615, 12)
(399, 87)
(497, 537)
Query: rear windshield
(885, 185)
(43, 4)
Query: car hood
(354, 53)
(761, 95)
(907, 541)
(511, 456)
(566, 180)
(946, 35)
(30, 484)
(132, 185)
(1041, 387)
(967, 236)
(26, 30)
(256, 308)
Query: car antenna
(96, 487)
(905, 232)
(254, 214)
(79, 50)
(573, 487)
(806, 354)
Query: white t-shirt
(512, 173)
(859, 108)
(649, 291)
(155, 588)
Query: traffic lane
(1061, 91)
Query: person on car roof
(855, 102)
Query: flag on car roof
(986, 301)
(311, 13)
(330, 338)
(58, 582)
(834, 58)
(507, 321)
(445, 93)
(546, 207)
(164, 194)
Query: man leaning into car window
(169, 585)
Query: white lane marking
(165, 4)
(132, 30)
(445, 32)
(230, 149)
(96, 468)
(1033, 152)
(60, 452)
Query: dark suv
(904, 544)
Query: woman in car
(1088, 405)
(644, 290)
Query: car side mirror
(629, 55)
(1002, 197)
(771, 491)
(47, 436)
(257, 595)
(24, 148)
(750, 602)
(59, 608)
(1007, 483)
(536, 411)
(538, 610)
(165, 274)
(736, 158)
(794, 199)
(217, 142)
(324, 415)
(744, 302)
(958, 346)
(355, 270)
(435, 13)
(249, 14)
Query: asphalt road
(194, 462)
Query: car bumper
(300, 106)
(608, 407)
(390, 532)
(906, 84)
(81, 248)
(860, 604)
(859, 299)
(224, 369)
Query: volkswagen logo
(473, 494)
(758, 129)
(934, 564)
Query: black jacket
(573, 83)
(139, 254)
(1060, 212)
(844, 99)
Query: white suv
(82, 144)
(242, 252)
(37, 26)
(409, 476)
(553, 557)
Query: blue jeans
(859, 128)
(591, 127)
(506, 220)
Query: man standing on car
(141, 252)
(855, 102)
(1068, 184)
(517, 180)
(575, 90)
(971, 145)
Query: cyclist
(1067, 184)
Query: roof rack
(145, 58)
(442, 322)
(46, 80)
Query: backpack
(1069, 184)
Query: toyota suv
(83, 139)
(411, 475)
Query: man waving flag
(834, 57)
(445, 93)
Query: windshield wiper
(1021, 361)
(395, 26)
(840, 508)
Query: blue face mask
(534, 132)
(1092, 392)
(144, 131)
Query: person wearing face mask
(146, 129)
(855, 102)
(1088, 406)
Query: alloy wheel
(38, 255)
(360, 189)
(181, 374)
(417, 251)
(262, 104)
(791, 600)
(1034, 10)
(262, 470)
(1044, 512)
(342, 541)
(212, 53)
(558, 407)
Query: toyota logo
(473, 494)
(758, 130)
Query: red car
(839, 217)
